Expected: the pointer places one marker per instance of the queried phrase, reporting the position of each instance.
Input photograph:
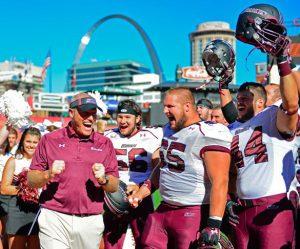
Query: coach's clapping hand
(99, 172)
(58, 166)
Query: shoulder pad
(215, 131)
(108, 133)
(156, 132)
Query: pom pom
(15, 108)
(26, 193)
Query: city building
(24, 77)
(115, 81)
(96, 75)
(205, 33)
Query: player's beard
(204, 116)
(180, 124)
(248, 115)
(129, 132)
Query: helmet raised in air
(219, 60)
(262, 26)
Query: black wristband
(230, 112)
(213, 223)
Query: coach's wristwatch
(105, 182)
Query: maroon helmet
(262, 26)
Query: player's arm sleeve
(110, 163)
(39, 160)
(230, 112)
(217, 137)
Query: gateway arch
(151, 50)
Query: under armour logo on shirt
(61, 145)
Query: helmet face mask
(262, 26)
(219, 60)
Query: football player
(204, 109)
(264, 140)
(137, 152)
(193, 178)
(262, 155)
(217, 115)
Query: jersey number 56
(134, 164)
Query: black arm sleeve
(230, 112)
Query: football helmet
(262, 26)
(219, 60)
(117, 202)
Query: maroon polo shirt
(75, 190)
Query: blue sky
(29, 28)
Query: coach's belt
(82, 215)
